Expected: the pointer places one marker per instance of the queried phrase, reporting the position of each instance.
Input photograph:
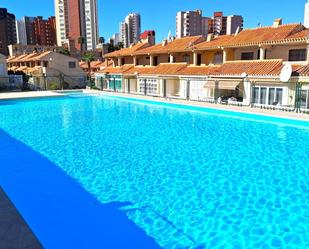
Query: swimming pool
(189, 177)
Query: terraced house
(262, 67)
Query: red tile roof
(301, 70)
(116, 70)
(251, 68)
(267, 35)
(147, 33)
(233, 68)
(127, 51)
(177, 45)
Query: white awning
(224, 85)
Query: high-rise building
(306, 17)
(21, 32)
(224, 25)
(25, 31)
(7, 30)
(45, 31)
(75, 19)
(234, 24)
(191, 23)
(36, 31)
(130, 29)
(114, 40)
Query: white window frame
(284, 94)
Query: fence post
(101, 82)
(188, 90)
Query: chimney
(277, 22)
(164, 43)
(210, 37)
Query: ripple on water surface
(195, 180)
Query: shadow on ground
(57, 209)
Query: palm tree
(88, 57)
(81, 40)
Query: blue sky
(160, 14)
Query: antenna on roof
(170, 37)
(237, 31)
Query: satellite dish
(286, 73)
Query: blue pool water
(190, 177)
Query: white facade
(88, 22)
(91, 24)
(130, 29)
(233, 23)
(191, 23)
(62, 25)
(306, 17)
(21, 32)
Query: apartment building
(306, 15)
(246, 66)
(36, 31)
(193, 23)
(130, 29)
(7, 30)
(75, 19)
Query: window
(304, 99)
(218, 58)
(72, 64)
(155, 60)
(263, 92)
(267, 95)
(297, 54)
(186, 58)
(199, 60)
(255, 98)
(247, 56)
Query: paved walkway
(30, 94)
(14, 232)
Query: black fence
(41, 83)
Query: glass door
(263, 94)
(255, 96)
(271, 96)
(304, 99)
(279, 96)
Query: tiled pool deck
(14, 232)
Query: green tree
(88, 57)
(81, 41)
(120, 45)
(101, 40)
(64, 51)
